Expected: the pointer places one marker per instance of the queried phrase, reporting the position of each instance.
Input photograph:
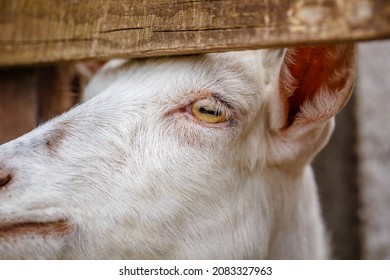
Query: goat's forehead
(211, 61)
(213, 65)
(195, 70)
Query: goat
(194, 157)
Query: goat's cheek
(186, 133)
(195, 150)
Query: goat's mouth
(58, 228)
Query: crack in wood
(40, 42)
(124, 29)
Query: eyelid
(209, 110)
(222, 100)
(211, 99)
(204, 118)
(185, 108)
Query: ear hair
(316, 82)
(89, 68)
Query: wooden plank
(54, 87)
(336, 170)
(44, 31)
(30, 96)
(373, 119)
(18, 103)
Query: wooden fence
(44, 31)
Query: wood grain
(30, 96)
(44, 31)
(18, 103)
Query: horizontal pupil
(216, 113)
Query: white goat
(197, 157)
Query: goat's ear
(86, 70)
(82, 73)
(315, 83)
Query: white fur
(136, 178)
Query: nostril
(4, 180)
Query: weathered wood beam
(44, 31)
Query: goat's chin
(33, 240)
(31, 246)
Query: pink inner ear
(311, 68)
(94, 66)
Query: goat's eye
(209, 110)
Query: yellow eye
(209, 110)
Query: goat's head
(182, 157)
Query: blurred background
(353, 171)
